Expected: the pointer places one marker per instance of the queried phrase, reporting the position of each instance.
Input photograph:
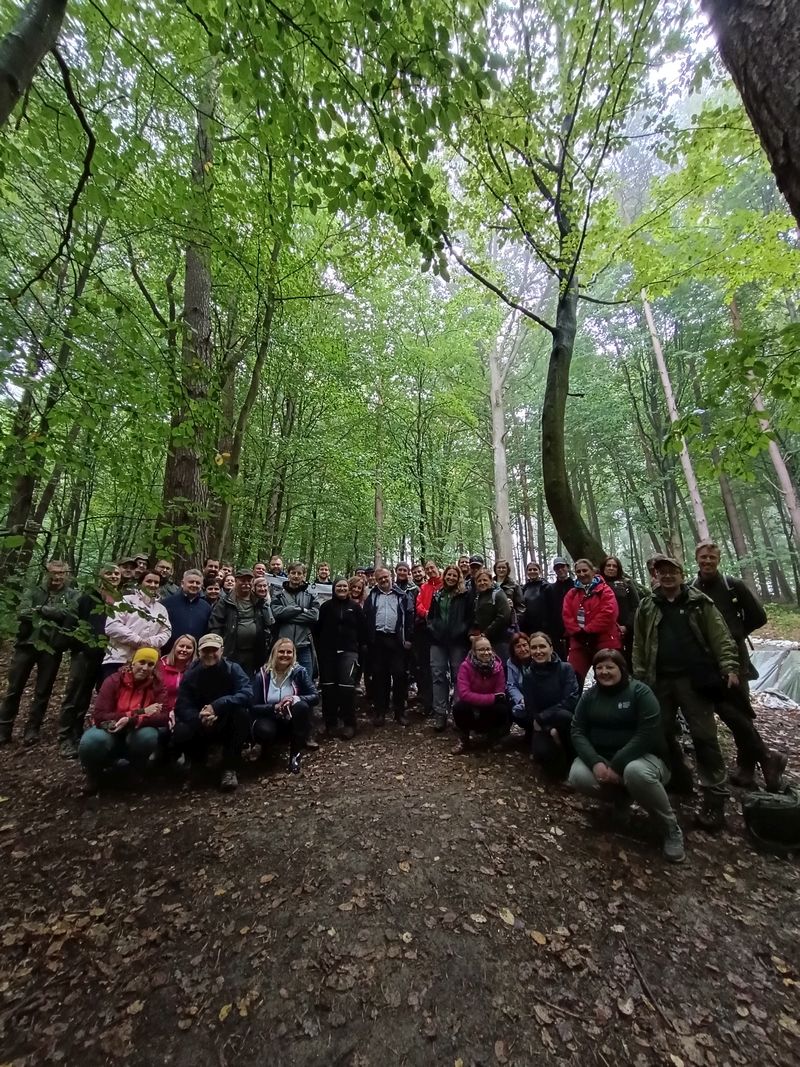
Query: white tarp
(778, 666)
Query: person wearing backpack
(743, 614)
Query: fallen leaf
(404, 867)
(786, 1022)
(478, 918)
(135, 1007)
(676, 1061)
(224, 1012)
(618, 928)
(406, 938)
(501, 1051)
(265, 879)
(625, 1006)
(538, 937)
(507, 916)
(542, 1014)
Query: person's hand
(733, 680)
(152, 709)
(600, 770)
(612, 778)
(207, 715)
(623, 630)
(406, 645)
(120, 724)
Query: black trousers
(389, 673)
(338, 675)
(23, 661)
(739, 717)
(421, 666)
(231, 731)
(84, 672)
(273, 729)
(483, 719)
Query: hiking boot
(229, 781)
(461, 747)
(294, 763)
(772, 768)
(348, 733)
(440, 723)
(68, 749)
(711, 816)
(30, 737)
(672, 848)
(744, 774)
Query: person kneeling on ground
(212, 704)
(481, 703)
(129, 710)
(619, 741)
(283, 695)
(551, 691)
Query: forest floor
(393, 904)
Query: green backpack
(773, 819)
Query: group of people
(232, 657)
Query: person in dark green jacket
(619, 744)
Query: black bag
(773, 819)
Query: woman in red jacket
(128, 712)
(590, 615)
(481, 703)
(171, 668)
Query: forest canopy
(364, 282)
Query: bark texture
(24, 47)
(759, 41)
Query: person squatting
(229, 658)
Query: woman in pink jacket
(481, 703)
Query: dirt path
(392, 905)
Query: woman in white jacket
(140, 621)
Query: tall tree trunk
(185, 494)
(760, 44)
(747, 526)
(501, 520)
(735, 524)
(572, 530)
(24, 47)
(672, 408)
(780, 587)
(530, 541)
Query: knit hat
(145, 655)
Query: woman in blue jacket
(283, 696)
(551, 692)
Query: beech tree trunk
(501, 519)
(185, 495)
(760, 44)
(572, 530)
(24, 47)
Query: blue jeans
(305, 657)
(98, 748)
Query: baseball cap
(210, 641)
(666, 561)
(477, 561)
(243, 572)
(559, 561)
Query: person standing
(341, 638)
(449, 620)
(127, 570)
(554, 595)
(46, 619)
(627, 595)
(211, 590)
(534, 613)
(590, 618)
(244, 623)
(88, 650)
(505, 579)
(213, 704)
(140, 621)
(420, 641)
(463, 566)
(188, 611)
(169, 587)
(743, 614)
(276, 567)
(491, 613)
(684, 651)
(210, 568)
(389, 624)
(296, 612)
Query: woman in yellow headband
(128, 713)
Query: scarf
(480, 666)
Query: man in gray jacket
(296, 611)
